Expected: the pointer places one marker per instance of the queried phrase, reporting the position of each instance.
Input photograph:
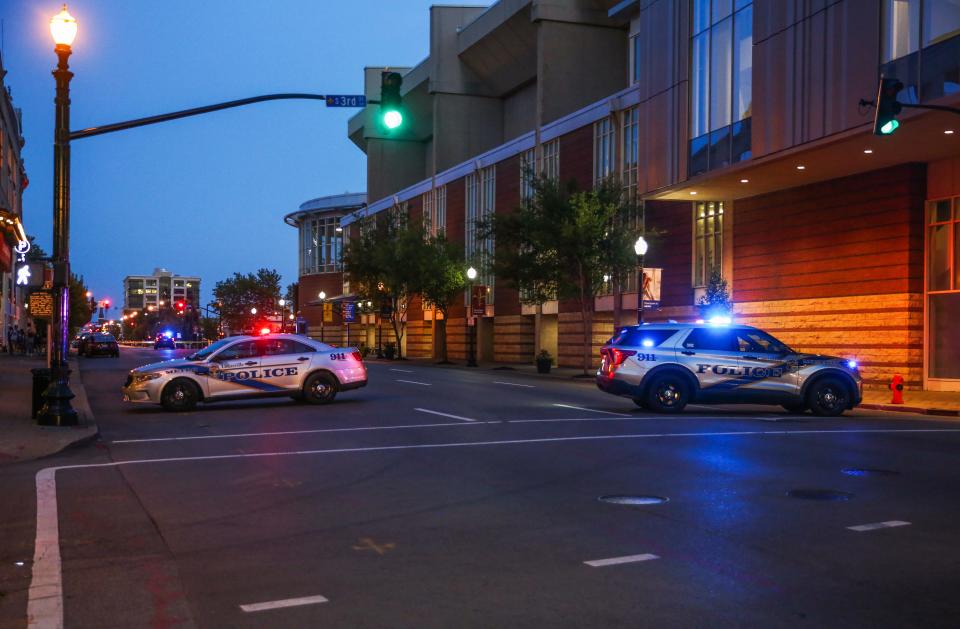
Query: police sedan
(242, 367)
(665, 366)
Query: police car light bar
(264, 331)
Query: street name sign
(346, 100)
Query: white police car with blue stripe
(242, 367)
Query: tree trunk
(441, 332)
(397, 322)
(537, 330)
(586, 319)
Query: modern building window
(635, 59)
(550, 159)
(943, 288)
(707, 240)
(321, 245)
(428, 220)
(527, 175)
(435, 210)
(603, 150)
(921, 47)
(721, 83)
(630, 152)
(481, 188)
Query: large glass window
(635, 58)
(550, 159)
(526, 175)
(921, 47)
(721, 83)
(481, 188)
(630, 152)
(708, 240)
(603, 150)
(321, 245)
(943, 288)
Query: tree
(293, 296)
(80, 309)
(561, 243)
(442, 280)
(716, 301)
(238, 294)
(36, 253)
(385, 264)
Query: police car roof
(660, 325)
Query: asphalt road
(456, 498)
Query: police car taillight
(356, 356)
(617, 356)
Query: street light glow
(63, 27)
(282, 303)
(253, 311)
(640, 247)
(471, 273)
(322, 295)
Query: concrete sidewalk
(21, 439)
(940, 403)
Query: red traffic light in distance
(181, 305)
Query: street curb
(898, 408)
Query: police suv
(241, 367)
(665, 366)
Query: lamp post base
(56, 410)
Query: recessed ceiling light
(801, 167)
(744, 181)
(693, 192)
(868, 151)
(948, 132)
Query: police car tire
(309, 388)
(185, 403)
(681, 390)
(820, 387)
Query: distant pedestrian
(10, 338)
(19, 340)
(30, 339)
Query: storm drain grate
(819, 494)
(633, 500)
(869, 471)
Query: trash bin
(41, 380)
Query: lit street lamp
(283, 322)
(253, 311)
(471, 358)
(57, 410)
(322, 297)
(640, 248)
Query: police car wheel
(667, 394)
(828, 397)
(179, 395)
(320, 388)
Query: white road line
(427, 410)
(402, 370)
(592, 410)
(289, 602)
(425, 384)
(45, 596)
(860, 528)
(514, 384)
(613, 561)
(292, 432)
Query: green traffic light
(889, 127)
(392, 119)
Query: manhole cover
(633, 500)
(819, 494)
(869, 471)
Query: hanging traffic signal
(181, 306)
(390, 101)
(887, 107)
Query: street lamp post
(322, 297)
(57, 410)
(640, 248)
(283, 310)
(472, 357)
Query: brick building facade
(738, 125)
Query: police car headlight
(852, 365)
(144, 377)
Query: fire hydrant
(896, 385)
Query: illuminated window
(603, 150)
(708, 240)
(481, 188)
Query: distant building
(320, 245)
(160, 290)
(13, 179)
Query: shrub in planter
(544, 362)
(389, 350)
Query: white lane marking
(860, 528)
(288, 602)
(613, 561)
(425, 384)
(514, 384)
(592, 410)
(402, 370)
(295, 432)
(45, 597)
(427, 410)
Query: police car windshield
(207, 351)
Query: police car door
(765, 363)
(711, 353)
(233, 369)
(284, 361)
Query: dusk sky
(202, 196)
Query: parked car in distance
(163, 340)
(102, 345)
(82, 342)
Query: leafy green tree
(238, 294)
(442, 280)
(561, 243)
(716, 301)
(293, 297)
(385, 264)
(80, 309)
(36, 253)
